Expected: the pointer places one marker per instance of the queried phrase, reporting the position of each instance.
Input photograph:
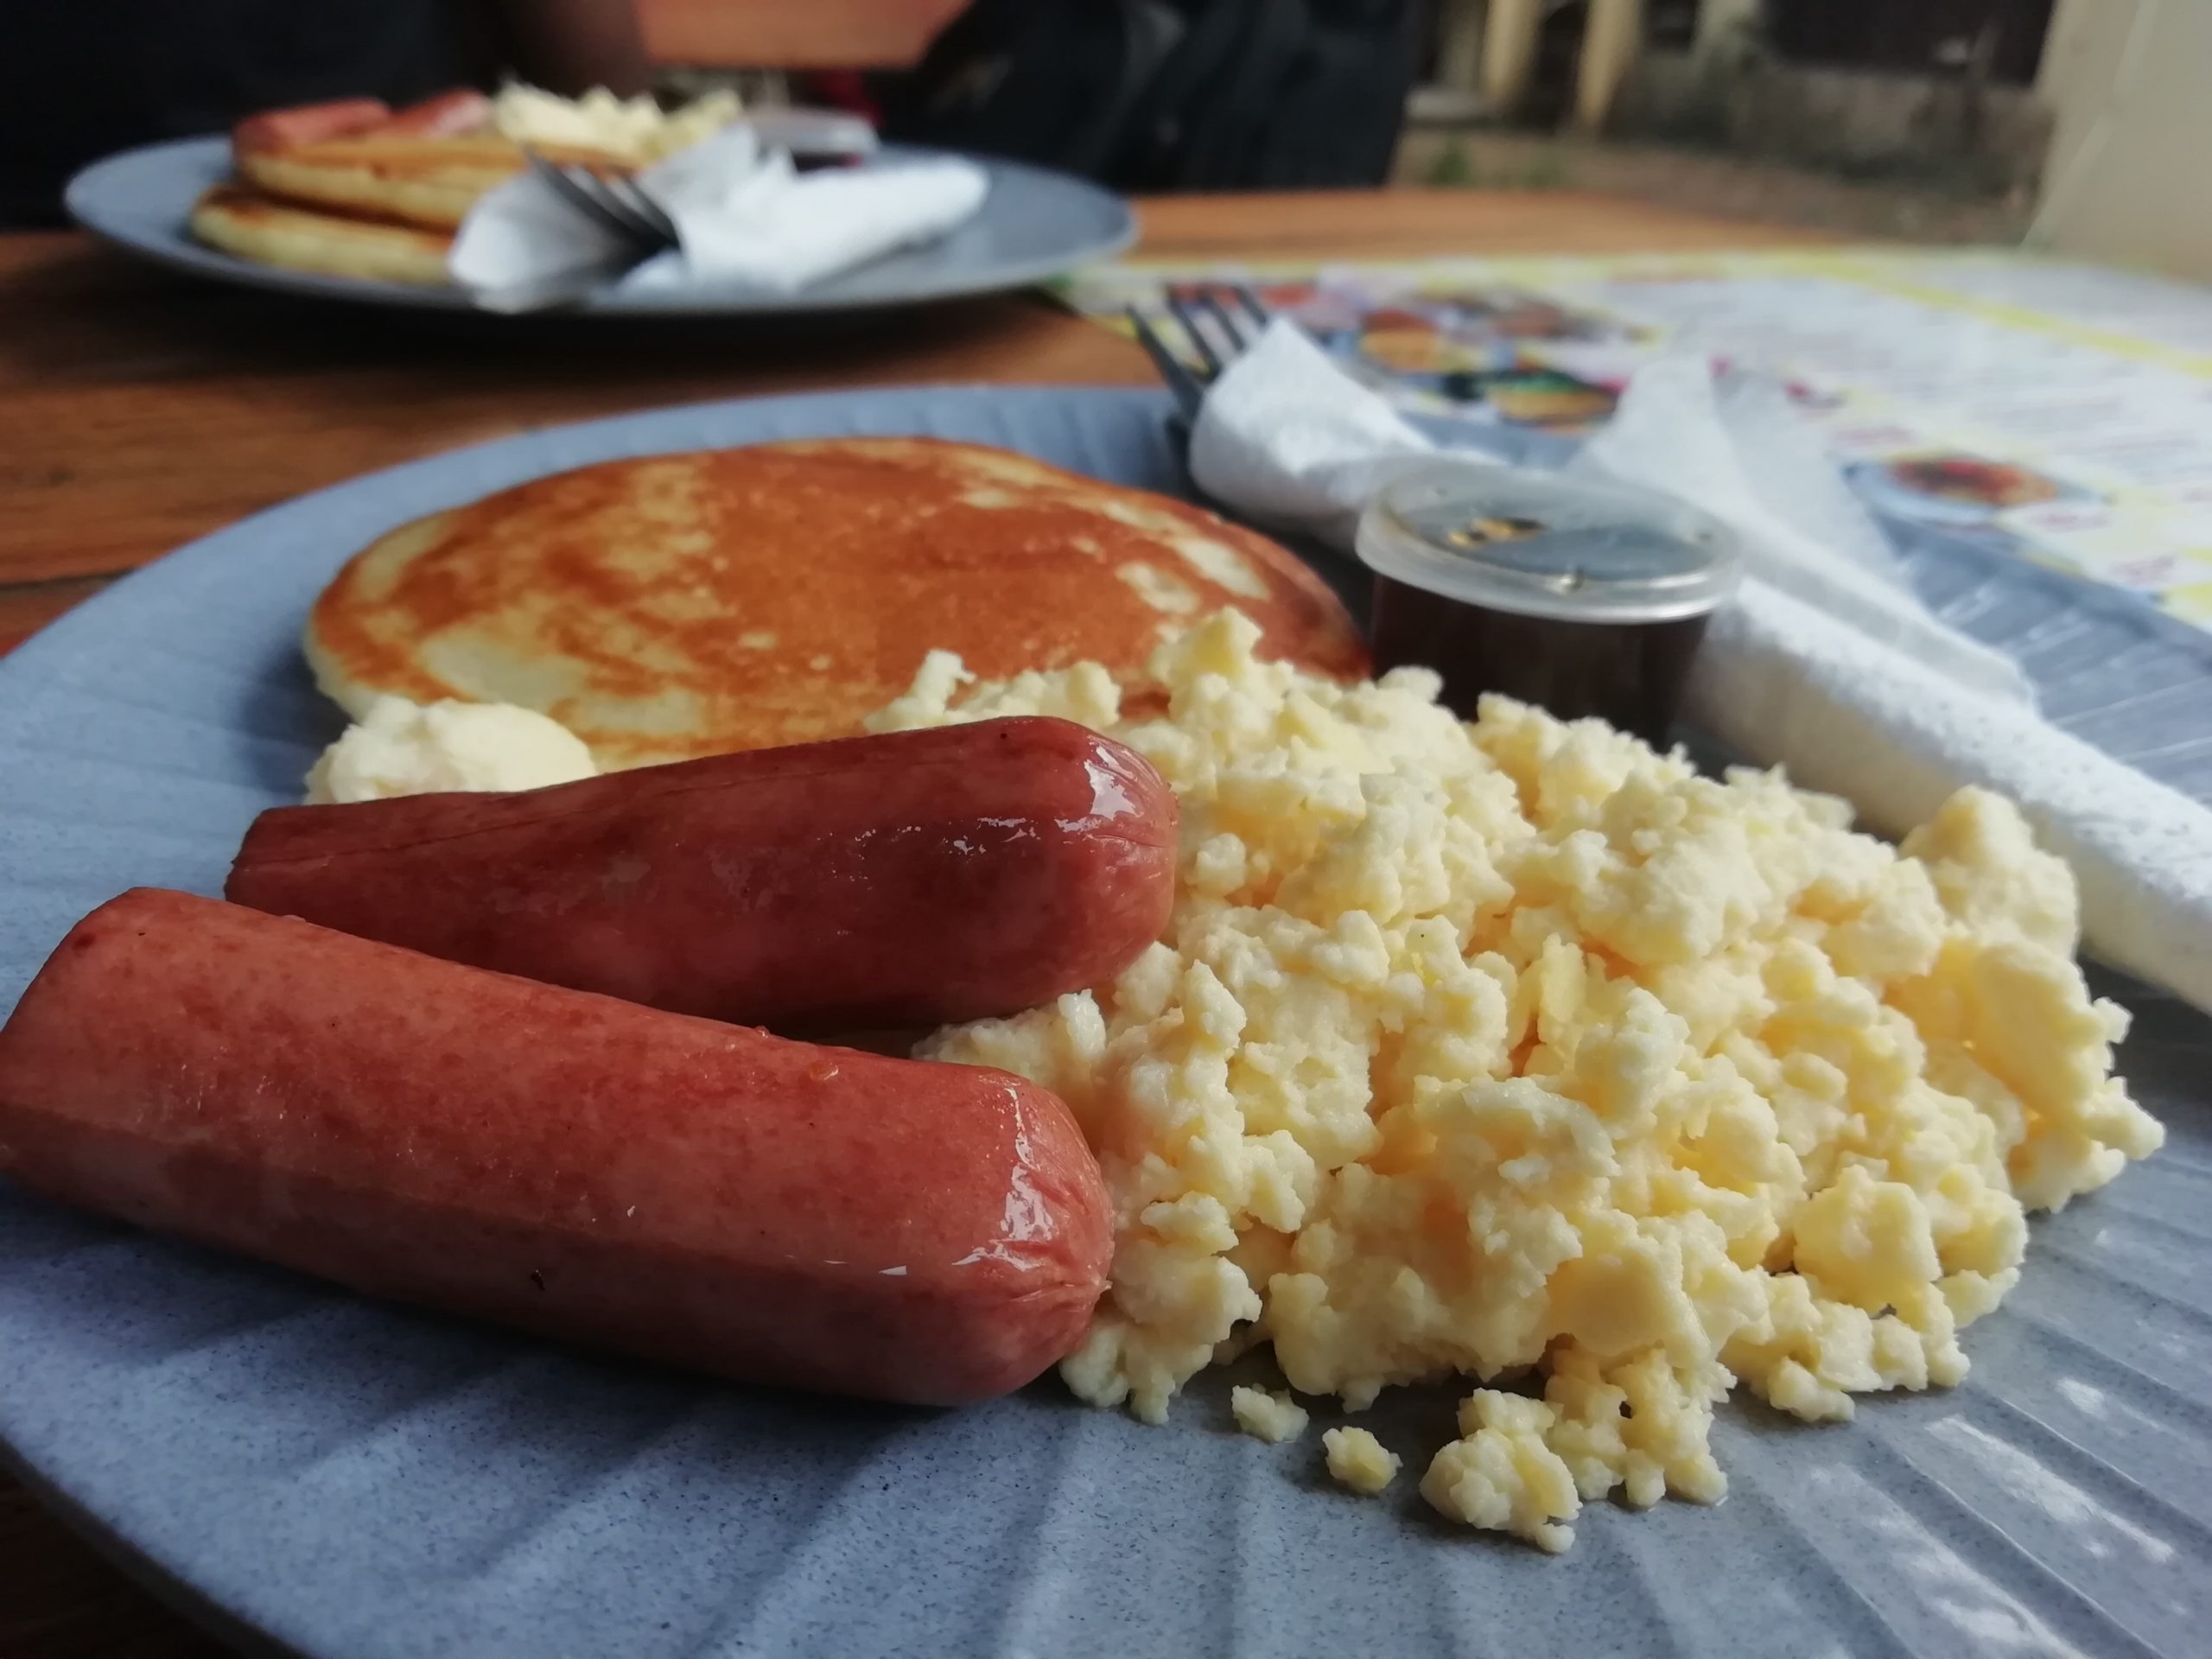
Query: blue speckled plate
(1033, 224)
(349, 1478)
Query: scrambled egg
(636, 129)
(408, 748)
(1271, 1417)
(1514, 1050)
(1358, 1459)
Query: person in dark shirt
(81, 79)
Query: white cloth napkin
(745, 218)
(1823, 664)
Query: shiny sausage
(897, 880)
(308, 123)
(676, 1188)
(464, 110)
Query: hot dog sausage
(906, 879)
(306, 123)
(464, 110)
(586, 1168)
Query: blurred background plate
(1033, 224)
(351, 1478)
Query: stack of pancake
(685, 605)
(356, 190)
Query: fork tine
(1180, 307)
(1188, 390)
(617, 205)
(1238, 333)
(558, 179)
(633, 193)
(1253, 306)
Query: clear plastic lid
(1542, 544)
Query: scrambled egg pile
(1515, 1051)
(635, 129)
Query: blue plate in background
(347, 1477)
(1035, 223)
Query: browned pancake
(731, 599)
(431, 179)
(270, 232)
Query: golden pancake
(693, 604)
(302, 238)
(423, 179)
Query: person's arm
(571, 45)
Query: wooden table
(139, 409)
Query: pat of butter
(406, 748)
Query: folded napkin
(1823, 663)
(745, 217)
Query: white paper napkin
(1823, 664)
(745, 217)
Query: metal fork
(619, 205)
(1216, 334)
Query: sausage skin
(675, 1188)
(463, 109)
(898, 880)
(307, 123)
